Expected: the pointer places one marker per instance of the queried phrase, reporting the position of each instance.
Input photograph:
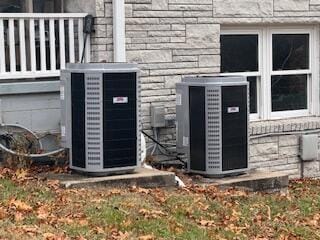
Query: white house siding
(173, 38)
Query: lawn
(34, 208)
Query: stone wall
(275, 146)
(173, 38)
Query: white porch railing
(35, 45)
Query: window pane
(239, 53)
(289, 92)
(290, 51)
(253, 94)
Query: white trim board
(29, 87)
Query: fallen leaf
(99, 230)
(3, 213)
(54, 184)
(146, 237)
(65, 220)
(20, 206)
(140, 190)
(18, 217)
(30, 229)
(48, 236)
(152, 213)
(21, 174)
(43, 212)
(205, 223)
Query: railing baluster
(52, 45)
(71, 41)
(32, 46)
(12, 46)
(80, 37)
(62, 44)
(22, 40)
(27, 40)
(2, 49)
(43, 57)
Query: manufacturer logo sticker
(120, 100)
(233, 109)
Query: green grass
(103, 213)
(8, 190)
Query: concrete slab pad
(142, 177)
(256, 181)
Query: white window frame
(265, 70)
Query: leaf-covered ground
(33, 208)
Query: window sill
(284, 125)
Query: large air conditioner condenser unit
(212, 124)
(101, 117)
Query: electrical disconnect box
(309, 147)
(101, 117)
(212, 124)
(158, 116)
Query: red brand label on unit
(233, 109)
(120, 100)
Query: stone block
(152, 86)
(294, 160)
(177, 39)
(263, 149)
(187, 71)
(139, 7)
(314, 2)
(100, 31)
(268, 139)
(209, 61)
(185, 58)
(203, 33)
(285, 167)
(100, 8)
(108, 10)
(288, 140)
(250, 8)
(170, 81)
(168, 20)
(192, 52)
(160, 4)
(167, 33)
(149, 56)
(178, 27)
(289, 151)
(148, 27)
(158, 14)
(207, 2)
(291, 5)
(263, 158)
(132, 21)
(190, 7)
(311, 169)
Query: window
(36, 6)
(280, 65)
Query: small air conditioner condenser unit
(101, 117)
(212, 124)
